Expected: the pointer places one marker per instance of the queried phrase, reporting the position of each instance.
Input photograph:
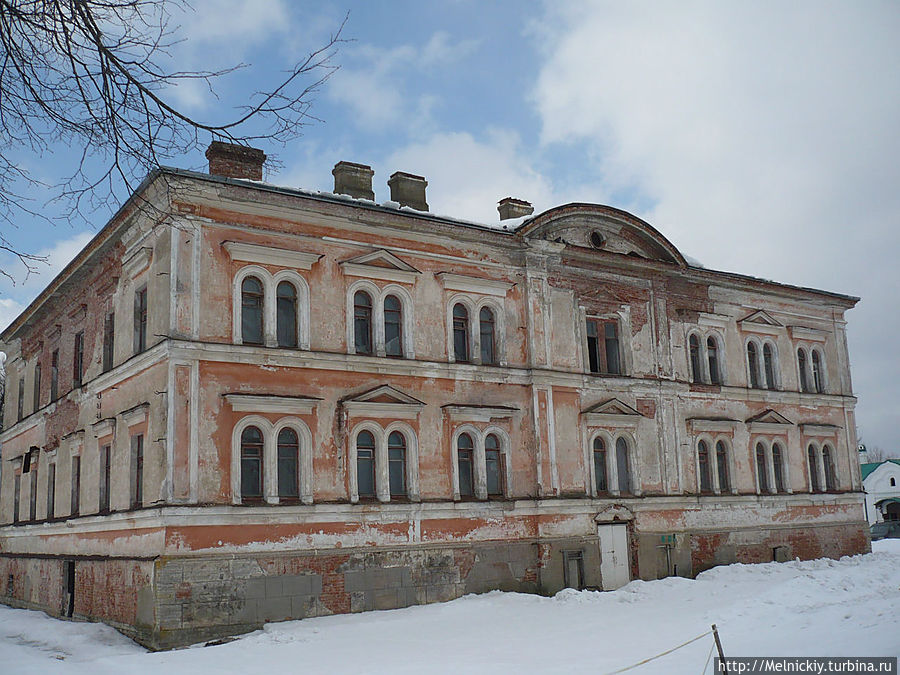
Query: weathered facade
(243, 403)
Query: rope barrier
(708, 658)
(660, 655)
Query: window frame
(109, 342)
(78, 360)
(479, 462)
(141, 319)
(473, 330)
(382, 469)
(601, 348)
(270, 283)
(378, 294)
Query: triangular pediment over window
(380, 264)
(383, 401)
(760, 316)
(769, 417)
(612, 412)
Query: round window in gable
(597, 239)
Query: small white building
(881, 482)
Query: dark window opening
(597, 240)
(722, 467)
(705, 473)
(20, 407)
(36, 391)
(623, 466)
(460, 333)
(573, 569)
(694, 346)
(778, 466)
(109, 341)
(397, 464)
(51, 491)
(104, 478)
(830, 473)
(603, 347)
(78, 360)
(69, 595)
(493, 459)
(762, 468)
(288, 464)
(465, 451)
(286, 314)
(54, 375)
(818, 380)
(75, 503)
(365, 464)
(393, 326)
(137, 463)
(801, 362)
(753, 364)
(362, 322)
(17, 495)
(486, 335)
(32, 497)
(812, 461)
(251, 464)
(140, 320)
(252, 302)
(712, 354)
(601, 482)
(769, 361)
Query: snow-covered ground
(849, 607)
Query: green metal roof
(871, 466)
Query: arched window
(288, 464)
(486, 335)
(362, 322)
(712, 356)
(393, 326)
(722, 467)
(600, 478)
(705, 474)
(397, 464)
(893, 482)
(365, 464)
(493, 465)
(818, 380)
(801, 362)
(252, 311)
(465, 450)
(814, 484)
(251, 464)
(286, 320)
(778, 465)
(696, 371)
(830, 473)
(769, 362)
(460, 333)
(753, 364)
(622, 466)
(762, 468)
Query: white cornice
(136, 415)
(599, 419)
(768, 427)
(804, 333)
(269, 255)
(762, 328)
(458, 282)
(104, 427)
(406, 411)
(714, 320)
(138, 262)
(479, 413)
(697, 424)
(293, 405)
(819, 429)
(375, 272)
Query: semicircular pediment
(603, 228)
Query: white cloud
(9, 310)
(764, 135)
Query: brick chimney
(353, 179)
(511, 207)
(408, 190)
(235, 161)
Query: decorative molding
(269, 255)
(261, 403)
(479, 413)
(136, 415)
(612, 412)
(615, 513)
(75, 441)
(804, 333)
(761, 321)
(458, 282)
(814, 429)
(394, 403)
(138, 262)
(382, 265)
(105, 427)
(713, 320)
(701, 424)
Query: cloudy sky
(761, 138)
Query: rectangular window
(32, 498)
(109, 341)
(140, 320)
(17, 493)
(494, 468)
(104, 479)
(137, 471)
(75, 503)
(603, 347)
(20, 408)
(51, 491)
(36, 392)
(466, 481)
(573, 569)
(365, 472)
(76, 486)
(397, 471)
(54, 375)
(78, 360)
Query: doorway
(69, 588)
(615, 570)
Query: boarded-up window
(251, 464)
(78, 360)
(493, 459)
(830, 472)
(288, 464)
(252, 311)
(51, 491)
(460, 333)
(54, 375)
(20, 406)
(601, 482)
(104, 478)
(140, 320)
(465, 461)
(109, 341)
(75, 502)
(397, 464)
(393, 326)
(137, 471)
(362, 322)
(286, 311)
(623, 466)
(573, 569)
(365, 464)
(486, 336)
(17, 495)
(32, 497)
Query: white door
(614, 567)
